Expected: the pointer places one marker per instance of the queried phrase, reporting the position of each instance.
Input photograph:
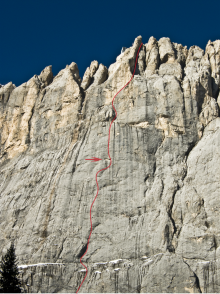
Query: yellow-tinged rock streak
(16, 127)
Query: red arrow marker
(94, 159)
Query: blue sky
(35, 34)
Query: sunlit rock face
(156, 220)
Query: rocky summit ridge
(156, 221)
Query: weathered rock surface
(156, 218)
(46, 76)
(89, 73)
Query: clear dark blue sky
(35, 34)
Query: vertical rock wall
(155, 221)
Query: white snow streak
(38, 264)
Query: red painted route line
(104, 169)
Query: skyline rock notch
(156, 220)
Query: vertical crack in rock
(82, 251)
(82, 97)
(170, 212)
(139, 289)
(196, 277)
(28, 138)
(61, 249)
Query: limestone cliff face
(156, 221)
